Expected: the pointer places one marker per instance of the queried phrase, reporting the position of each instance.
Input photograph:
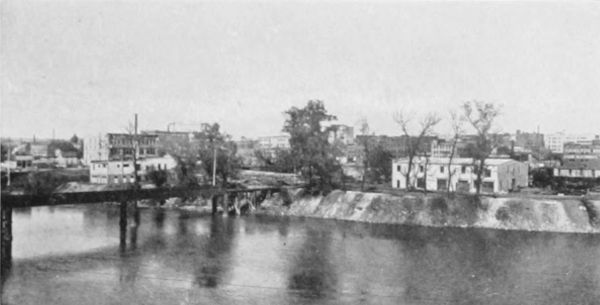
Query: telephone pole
(214, 167)
(135, 150)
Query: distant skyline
(86, 67)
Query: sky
(85, 67)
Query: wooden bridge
(226, 198)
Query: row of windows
(129, 151)
(461, 185)
(463, 169)
(128, 140)
(580, 172)
(103, 165)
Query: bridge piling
(123, 226)
(136, 222)
(225, 204)
(215, 201)
(6, 239)
(236, 204)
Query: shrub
(158, 177)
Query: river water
(73, 255)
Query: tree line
(316, 159)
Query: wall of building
(463, 175)
(556, 141)
(274, 142)
(117, 172)
(95, 148)
(506, 172)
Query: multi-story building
(579, 169)
(529, 140)
(500, 175)
(274, 142)
(171, 142)
(119, 146)
(576, 151)
(555, 142)
(122, 171)
(341, 133)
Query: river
(73, 255)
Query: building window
(421, 183)
(398, 168)
(441, 184)
(463, 186)
(463, 169)
(421, 168)
(487, 172)
(487, 187)
(441, 169)
(126, 165)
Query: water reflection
(311, 271)
(178, 257)
(209, 271)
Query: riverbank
(571, 215)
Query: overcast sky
(86, 66)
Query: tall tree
(278, 160)
(74, 139)
(456, 122)
(366, 147)
(4, 153)
(414, 141)
(481, 117)
(309, 143)
(380, 163)
(217, 153)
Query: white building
(576, 151)
(66, 158)
(118, 172)
(274, 142)
(579, 169)
(556, 141)
(500, 175)
(119, 146)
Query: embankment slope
(553, 215)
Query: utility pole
(8, 167)
(214, 171)
(135, 150)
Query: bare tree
(456, 122)
(425, 155)
(414, 142)
(481, 117)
